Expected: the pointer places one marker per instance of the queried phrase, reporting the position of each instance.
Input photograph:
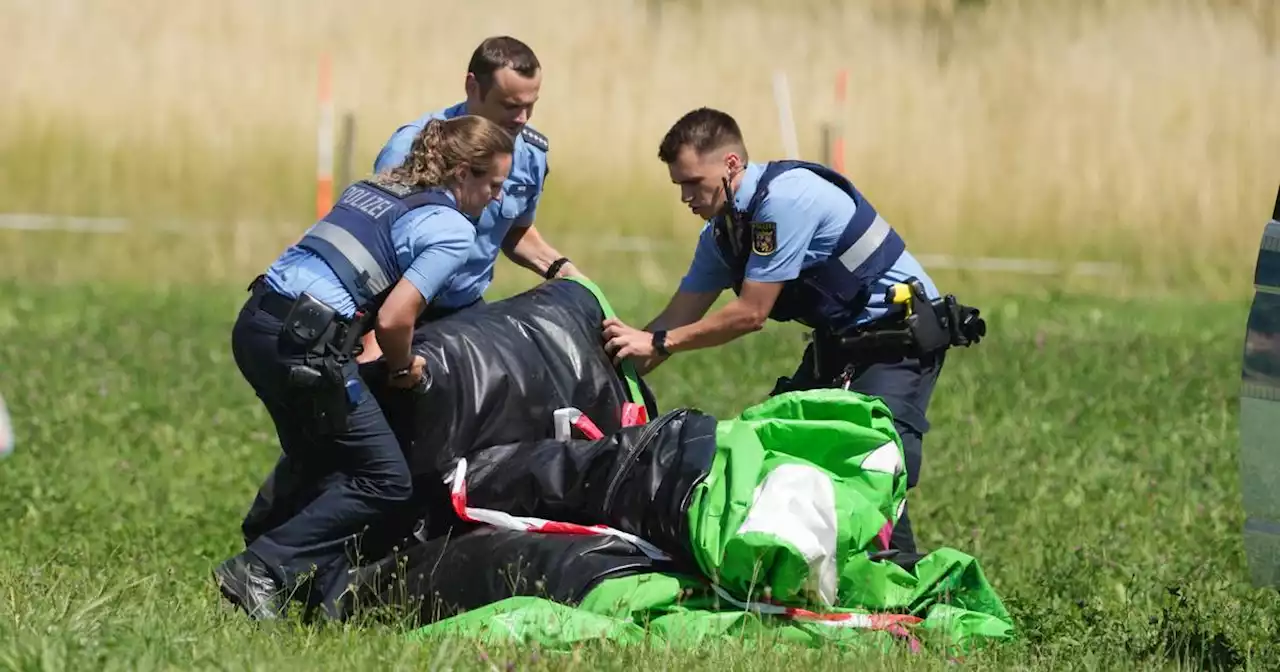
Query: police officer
(502, 84)
(795, 241)
(386, 250)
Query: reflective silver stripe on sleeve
(355, 253)
(862, 249)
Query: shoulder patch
(395, 188)
(535, 138)
(764, 238)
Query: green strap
(628, 369)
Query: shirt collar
(747, 187)
(448, 193)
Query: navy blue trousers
(906, 388)
(300, 478)
(326, 487)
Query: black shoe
(248, 585)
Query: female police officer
(388, 246)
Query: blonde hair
(445, 144)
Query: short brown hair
(704, 130)
(499, 52)
(445, 144)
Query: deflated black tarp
(498, 372)
(637, 480)
(450, 574)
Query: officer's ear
(732, 162)
(472, 86)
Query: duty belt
(341, 334)
(923, 328)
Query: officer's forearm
(734, 320)
(394, 328)
(683, 308)
(527, 248)
(395, 338)
(662, 321)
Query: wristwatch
(660, 342)
(555, 267)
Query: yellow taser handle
(900, 293)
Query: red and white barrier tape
(570, 418)
(634, 414)
(894, 624)
(532, 524)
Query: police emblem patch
(764, 238)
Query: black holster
(329, 343)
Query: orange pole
(324, 141)
(837, 150)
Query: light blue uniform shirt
(516, 206)
(810, 214)
(431, 244)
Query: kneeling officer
(388, 246)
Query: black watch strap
(660, 342)
(555, 267)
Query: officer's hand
(416, 371)
(622, 341)
(569, 271)
(371, 349)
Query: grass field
(1085, 454)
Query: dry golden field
(1146, 133)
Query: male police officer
(795, 241)
(502, 84)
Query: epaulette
(534, 138)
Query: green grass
(1085, 454)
